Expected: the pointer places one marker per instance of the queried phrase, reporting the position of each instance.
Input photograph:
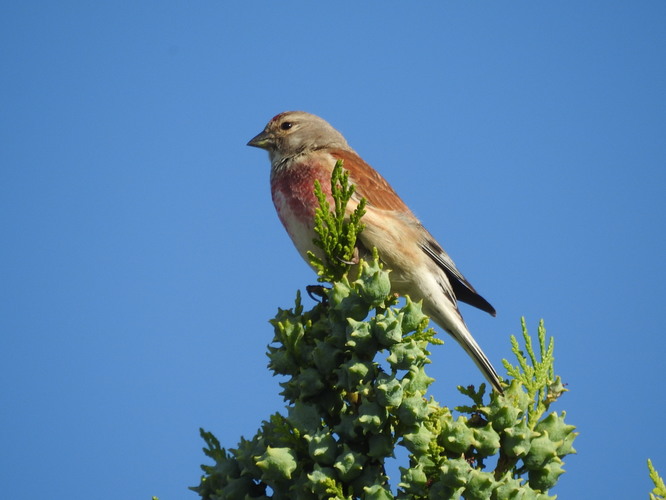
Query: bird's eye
(286, 125)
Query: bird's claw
(317, 293)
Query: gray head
(295, 132)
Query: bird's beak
(262, 140)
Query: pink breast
(292, 189)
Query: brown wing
(369, 184)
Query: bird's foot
(317, 293)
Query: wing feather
(462, 288)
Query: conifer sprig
(336, 233)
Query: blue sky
(141, 257)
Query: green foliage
(538, 378)
(659, 490)
(336, 232)
(355, 384)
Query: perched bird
(303, 148)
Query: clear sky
(141, 257)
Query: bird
(302, 148)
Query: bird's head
(295, 132)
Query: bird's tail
(449, 319)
